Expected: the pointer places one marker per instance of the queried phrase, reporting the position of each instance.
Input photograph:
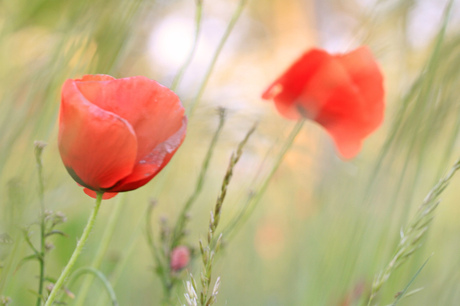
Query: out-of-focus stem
(163, 268)
(180, 73)
(416, 230)
(127, 251)
(103, 246)
(76, 253)
(96, 273)
(181, 220)
(216, 55)
(255, 199)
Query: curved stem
(103, 246)
(96, 273)
(76, 253)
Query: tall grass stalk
(417, 98)
(223, 40)
(162, 259)
(209, 250)
(183, 68)
(178, 232)
(411, 237)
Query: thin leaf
(402, 293)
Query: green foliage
(320, 229)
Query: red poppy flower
(343, 93)
(115, 135)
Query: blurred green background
(324, 228)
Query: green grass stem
(236, 15)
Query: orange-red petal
(153, 162)
(343, 93)
(154, 112)
(286, 90)
(97, 147)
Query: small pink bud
(180, 257)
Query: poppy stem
(76, 253)
(103, 246)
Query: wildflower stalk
(209, 250)
(103, 246)
(255, 198)
(236, 15)
(180, 73)
(76, 253)
(415, 231)
(178, 233)
(39, 146)
(162, 259)
(162, 267)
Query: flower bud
(180, 258)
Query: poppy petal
(153, 110)
(343, 93)
(315, 99)
(153, 162)
(97, 147)
(95, 77)
(342, 118)
(367, 77)
(288, 88)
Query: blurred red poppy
(115, 135)
(342, 92)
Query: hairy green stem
(76, 253)
(208, 252)
(103, 246)
(162, 268)
(210, 69)
(39, 146)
